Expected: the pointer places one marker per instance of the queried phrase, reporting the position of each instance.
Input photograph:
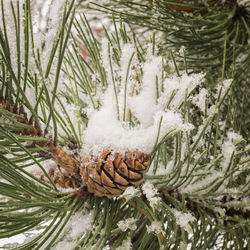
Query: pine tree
(133, 135)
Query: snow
(126, 56)
(200, 186)
(154, 112)
(105, 57)
(129, 223)
(105, 130)
(228, 148)
(78, 224)
(200, 99)
(36, 170)
(224, 86)
(155, 227)
(64, 245)
(234, 137)
(18, 239)
(71, 118)
(151, 193)
(10, 29)
(144, 105)
(47, 22)
(179, 86)
(242, 2)
(221, 211)
(183, 220)
(130, 192)
(162, 169)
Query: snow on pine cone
(110, 174)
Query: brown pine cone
(63, 181)
(110, 174)
(64, 160)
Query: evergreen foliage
(196, 193)
(212, 37)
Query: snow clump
(155, 227)
(151, 193)
(129, 223)
(152, 105)
(183, 220)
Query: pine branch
(119, 106)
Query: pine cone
(61, 180)
(64, 160)
(110, 174)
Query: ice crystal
(155, 227)
(151, 193)
(130, 192)
(183, 219)
(200, 99)
(129, 223)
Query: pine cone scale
(117, 159)
(134, 175)
(101, 188)
(120, 180)
(115, 191)
(97, 178)
(106, 180)
(121, 187)
(90, 185)
(109, 168)
(123, 170)
(140, 167)
(63, 159)
(130, 160)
